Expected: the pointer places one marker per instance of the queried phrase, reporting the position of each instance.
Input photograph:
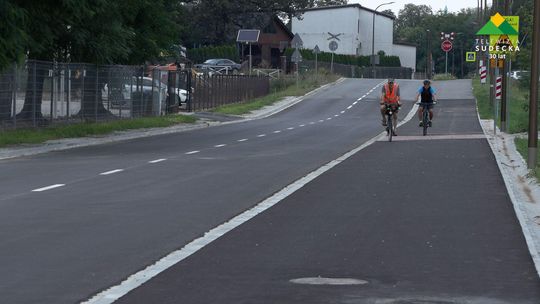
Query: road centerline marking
(48, 187)
(277, 131)
(261, 135)
(192, 152)
(242, 140)
(157, 161)
(111, 172)
(219, 146)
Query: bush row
(199, 55)
(362, 61)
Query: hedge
(200, 55)
(362, 61)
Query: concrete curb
(72, 143)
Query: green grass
(518, 101)
(522, 145)
(36, 136)
(280, 88)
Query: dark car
(222, 66)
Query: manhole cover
(328, 281)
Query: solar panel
(248, 36)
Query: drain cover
(328, 281)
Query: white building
(352, 24)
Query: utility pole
(504, 97)
(533, 99)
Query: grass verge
(522, 145)
(36, 136)
(518, 102)
(280, 88)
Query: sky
(453, 5)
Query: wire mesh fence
(39, 93)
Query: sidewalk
(524, 190)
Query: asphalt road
(367, 218)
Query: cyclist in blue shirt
(428, 95)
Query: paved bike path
(421, 220)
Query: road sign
(297, 42)
(333, 46)
(471, 56)
(316, 50)
(446, 46)
(296, 56)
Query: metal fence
(217, 90)
(351, 71)
(43, 93)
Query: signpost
(296, 57)
(333, 46)
(316, 51)
(446, 46)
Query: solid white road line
(48, 188)
(192, 152)
(219, 146)
(157, 161)
(111, 172)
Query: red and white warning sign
(498, 87)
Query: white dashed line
(157, 161)
(342, 112)
(337, 115)
(219, 146)
(291, 128)
(329, 118)
(48, 188)
(349, 107)
(112, 172)
(312, 123)
(301, 126)
(192, 152)
(321, 120)
(261, 135)
(241, 140)
(354, 103)
(364, 96)
(276, 132)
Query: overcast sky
(453, 5)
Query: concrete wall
(407, 55)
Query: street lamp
(373, 40)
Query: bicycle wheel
(425, 120)
(390, 127)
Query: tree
(389, 12)
(322, 3)
(412, 16)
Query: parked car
(118, 98)
(518, 74)
(220, 64)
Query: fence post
(15, 89)
(51, 74)
(34, 96)
(96, 93)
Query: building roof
(348, 6)
(283, 26)
(405, 43)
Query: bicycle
(390, 112)
(426, 123)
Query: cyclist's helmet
(390, 80)
(427, 82)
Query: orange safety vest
(390, 96)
